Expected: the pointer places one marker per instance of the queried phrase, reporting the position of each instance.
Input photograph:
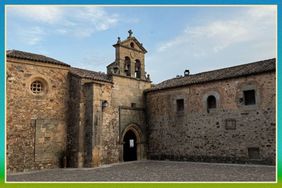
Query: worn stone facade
(61, 116)
(227, 133)
(36, 124)
(91, 126)
(128, 97)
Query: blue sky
(176, 38)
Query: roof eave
(207, 81)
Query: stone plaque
(230, 124)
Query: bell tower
(130, 58)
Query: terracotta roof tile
(99, 76)
(33, 57)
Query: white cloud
(98, 17)
(31, 36)
(78, 22)
(84, 22)
(223, 33)
(39, 13)
(262, 12)
(249, 35)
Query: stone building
(62, 116)
(226, 115)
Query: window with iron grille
(37, 87)
(230, 124)
(249, 97)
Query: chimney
(186, 72)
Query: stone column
(80, 156)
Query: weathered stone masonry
(36, 124)
(131, 111)
(198, 134)
(61, 116)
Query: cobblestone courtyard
(154, 171)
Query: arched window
(137, 69)
(211, 102)
(127, 68)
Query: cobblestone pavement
(154, 171)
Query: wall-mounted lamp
(104, 104)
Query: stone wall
(74, 120)
(36, 123)
(128, 90)
(134, 117)
(127, 96)
(93, 129)
(125, 50)
(106, 148)
(232, 132)
(133, 54)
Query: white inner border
(144, 5)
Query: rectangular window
(253, 153)
(180, 105)
(249, 97)
(133, 105)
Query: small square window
(133, 105)
(180, 105)
(230, 124)
(249, 97)
(253, 153)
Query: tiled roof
(99, 76)
(216, 75)
(33, 57)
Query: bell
(115, 69)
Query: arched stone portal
(131, 139)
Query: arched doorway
(129, 146)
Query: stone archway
(129, 146)
(131, 140)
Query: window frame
(253, 151)
(230, 124)
(180, 103)
(216, 94)
(37, 87)
(44, 84)
(246, 95)
(214, 106)
(240, 99)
